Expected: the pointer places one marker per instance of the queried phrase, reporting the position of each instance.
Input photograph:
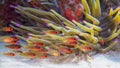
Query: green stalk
(109, 47)
(62, 18)
(26, 28)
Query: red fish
(70, 41)
(28, 55)
(43, 56)
(85, 48)
(65, 50)
(38, 44)
(34, 48)
(8, 29)
(11, 40)
(56, 54)
(14, 47)
(9, 54)
(101, 41)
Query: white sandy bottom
(99, 61)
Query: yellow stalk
(85, 4)
(118, 32)
(40, 36)
(74, 30)
(84, 42)
(95, 40)
(84, 28)
(25, 28)
(93, 8)
(64, 19)
(67, 24)
(111, 37)
(116, 19)
(29, 15)
(112, 12)
(81, 26)
(18, 29)
(36, 11)
(91, 31)
(93, 19)
(55, 37)
(110, 46)
(94, 26)
(32, 39)
(114, 29)
(89, 38)
(98, 9)
(54, 26)
(21, 37)
(85, 35)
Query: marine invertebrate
(7, 13)
(57, 36)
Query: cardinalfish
(10, 54)
(11, 40)
(39, 44)
(65, 50)
(13, 47)
(7, 29)
(71, 41)
(101, 41)
(56, 54)
(85, 48)
(53, 52)
(43, 56)
(34, 48)
(17, 51)
(51, 32)
(28, 54)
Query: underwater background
(60, 33)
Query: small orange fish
(70, 41)
(8, 29)
(28, 55)
(18, 51)
(56, 54)
(43, 56)
(51, 32)
(34, 48)
(9, 54)
(85, 48)
(101, 41)
(38, 44)
(11, 40)
(65, 50)
(14, 47)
